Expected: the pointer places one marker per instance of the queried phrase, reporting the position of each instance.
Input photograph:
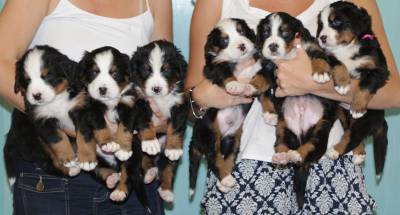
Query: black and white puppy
(159, 71)
(52, 94)
(304, 121)
(345, 31)
(112, 96)
(217, 134)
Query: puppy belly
(230, 120)
(301, 113)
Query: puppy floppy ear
(182, 64)
(128, 69)
(82, 73)
(364, 20)
(211, 48)
(19, 77)
(260, 34)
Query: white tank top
(73, 30)
(258, 138)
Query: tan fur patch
(149, 133)
(320, 66)
(62, 150)
(289, 47)
(280, 132)
(147, 162)
(345, 37)
(59, 88)
(361, 99)
(86, 150)
(57, 164)
(174, 140)
(167, 175)
(259, 82)
(359, 150)
(122, 184)
(267, 104)
(124, 137)
(103, 136)
(103, 172)
(341, 75)
(369, 64)
(305, 149)
(281, 148)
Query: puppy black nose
(37, 96)
(103, 90)
(273, 47)
(242, 47)
(156, 90)
(323, 38)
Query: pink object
(367, 37)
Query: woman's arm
(205, 16)
(303, 83)
(19, 21)
(162, 14)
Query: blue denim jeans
(81, 195)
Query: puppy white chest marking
(230, 120)
(301, 113)
(248, 73)
(59, 108)
(165, 103)
(345, 55)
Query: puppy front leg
(315, 147)
(285, 141)
(167, 180)
(121, 192)
(269, 113)
(123, 137)
(86, 150)
(176, 130)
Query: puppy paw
(321, 77)
(342, 90)
(73, 171)
(150, 175)
(249, 90)
(11, 181)
(123, 155)
(71, 163)
(270, 118)
(173, 154)
(332, 154)
(234, 88)
(151, 147)
(358, 159)
(191, 193)
(110, 147)
(223, 188)
(118, 195)
(280, 158)
(357, 114)
(228, 181)
(166, 195)
(88, 166)
(112, 180)
(294, 156)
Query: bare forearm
(387, 97)
(7, 84)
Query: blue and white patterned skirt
(260, 189)
(333, 187)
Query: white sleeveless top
(258, 138)
(73, 30)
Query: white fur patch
(104, 79)
(156, 80)
(166, 195)
(165, 103)
(33, 66)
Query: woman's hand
(207, 95)
(294, 76)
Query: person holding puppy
(262, 188)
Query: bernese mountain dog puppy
(47, 79)
(217, 134)
(304, 121)
(112, 97)
(345, 31)
(159, 71)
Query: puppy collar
(367, 37)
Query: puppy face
(231, 40)
(158, 68)
(41, 74)
(276, 34)
(341, 23)
(105, 72)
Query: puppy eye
(336, 23)
(224, 41)
(285, 34)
